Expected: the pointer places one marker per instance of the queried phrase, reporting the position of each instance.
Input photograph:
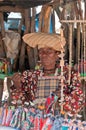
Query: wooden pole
(78, 44)
(84, 46)
(2, 32)
(2, 24)
(33, 19)
(70, 49)
(47, 15)
(62, 76)
(73, 21)
(23, 47)
(11, 9)
(35, 50)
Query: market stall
(51, 94)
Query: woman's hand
(16, 78)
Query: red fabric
(41, 123)
(48, 103)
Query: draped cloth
(42, 40)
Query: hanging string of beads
(62, 76)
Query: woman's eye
(46, 52)
(40, 52)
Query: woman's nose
(44, 54)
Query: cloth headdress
(44, 40)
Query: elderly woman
(28, 85)
(40, 86)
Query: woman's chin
(48, 67)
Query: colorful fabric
(57, 124)
(29, 84)
(45, 87)
(25, 125)
(28, 88)
(7, 128)
(75, 101)
(15, 119)
(1, 114)
(49, 102)
(4, 116)
(35, 87)
(36, 120)
(37, 123)
(65, 127)
(47, 124)
(9, 117)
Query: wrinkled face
(48, 57)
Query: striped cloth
(44, 40)
(45, 87)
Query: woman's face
(48, 57)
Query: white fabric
(11, 41)
(5, 90)
(7, 128)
